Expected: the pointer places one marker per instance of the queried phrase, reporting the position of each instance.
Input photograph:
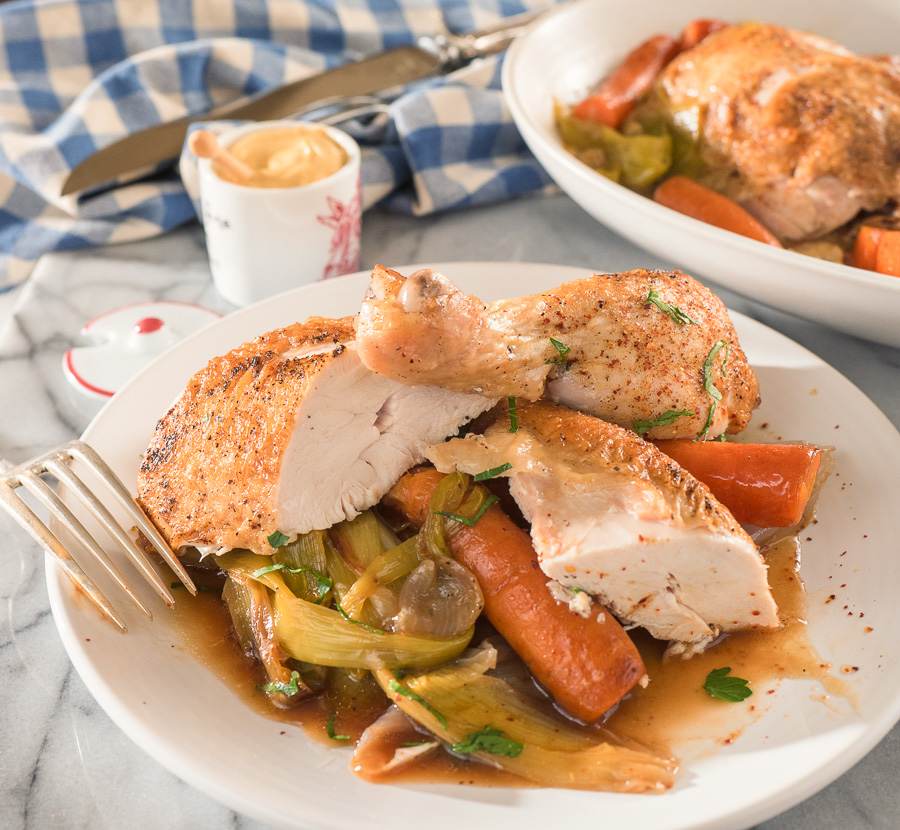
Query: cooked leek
(342, 575)
(316, 634)
(446, 498)
(321, 635)
(389, 539)
(383, 570)
(454, 495)
(554, 753)
(253, 616)
(237, 599)
(359, 540)
(306, 551)
(655, 116)
(636, 161)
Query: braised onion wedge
(440, 598)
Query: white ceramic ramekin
(263, 241)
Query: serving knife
(143, 151)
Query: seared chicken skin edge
(599, 345)
(798, 130)
(612, 516)
(289, 432)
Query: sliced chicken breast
(627, 347)
(611, 515)
(289, 432)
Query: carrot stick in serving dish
(617, 95)
(887, 257)
(586, 663)
(865, 249)
(698, 30)
(768, 485)
(699, 202)
(877, 249)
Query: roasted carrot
(617, 94)
(586, 664)
(865, 249)
(767, 485)
(887, 257)
(698, 30)
(693, 199)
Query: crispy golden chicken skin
(613, 516)
(289, 433)
(596, 344)
(800, 131)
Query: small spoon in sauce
(204, 144)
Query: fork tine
(47, 496)
(89, 456)
(41, 533)
(56, 465)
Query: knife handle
(455, 49)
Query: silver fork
(56, 462)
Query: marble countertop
(63, 763)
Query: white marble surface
(63, 764)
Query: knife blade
(141, 152)
(163, 142)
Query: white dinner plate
(569, 50)
(182, 715)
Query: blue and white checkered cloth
(76, 75)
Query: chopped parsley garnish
(724, 687)
(277, 539)
(710, 387)
(708, 384)
(347, 617)
(709, 419)
(418, 743)
(562, 350)
(394, 686)
(669, 417)
(323, 583)
(513, 418)
(488, 740)
(474, 520)
(329, 729)
(493, 472)
(288, 689)
(672, 310)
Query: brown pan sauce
(673, 715)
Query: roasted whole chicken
(800, 131)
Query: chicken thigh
(800, 131)
(613, 516)
(627, 347)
